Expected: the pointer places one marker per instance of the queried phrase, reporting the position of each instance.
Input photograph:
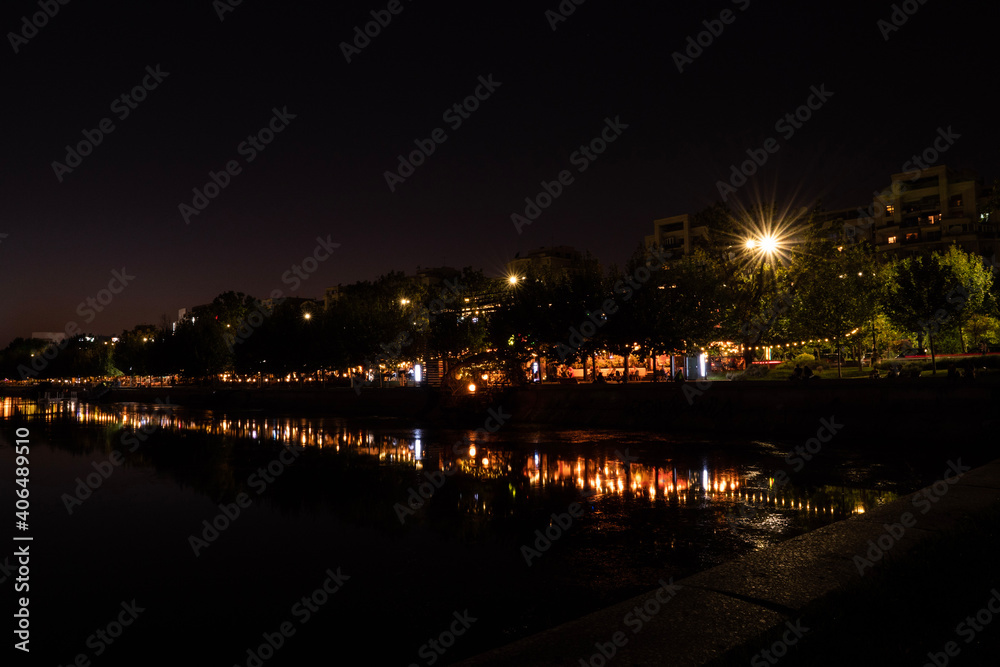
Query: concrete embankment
(917, 408)
(740, 606)
(876, 408)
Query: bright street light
(768, 245)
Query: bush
(756, 371)
(801, 360)
(992, 361)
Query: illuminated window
(912, 236)
(892, 239)
(889, 209)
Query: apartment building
(676, 234)
(931, 209)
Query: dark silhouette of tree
(923, 296)
(838, 290)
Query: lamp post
(762, 249)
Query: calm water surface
(651, 507)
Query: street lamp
(768, 245)
(764, 247)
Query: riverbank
(882, 409)
(886, 587)
(897, 409)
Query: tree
(529, 321)
(16, 359)
(983, 331)
(458, 330)
(878, 334)
(975, 287)
(372, 317)
(134, 354)
(751, 259)
(923, 296)
(682, 305)
(837, 292)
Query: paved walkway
(729, 606)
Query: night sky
(323, 175)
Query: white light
(417, 373)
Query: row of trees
(723, 294)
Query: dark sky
(323, 174)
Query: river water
(407, 528)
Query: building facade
(675, 234)
(547, 259)
(932, 209)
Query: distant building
(550, 258)
(181, 312)
(332, 296)
(51, 336)
(435, 276)
(834, 224)
(932, 210)
(676, 235)
(307, 305)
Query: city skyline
(298, 133)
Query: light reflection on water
(654, 508)
(602, 475)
